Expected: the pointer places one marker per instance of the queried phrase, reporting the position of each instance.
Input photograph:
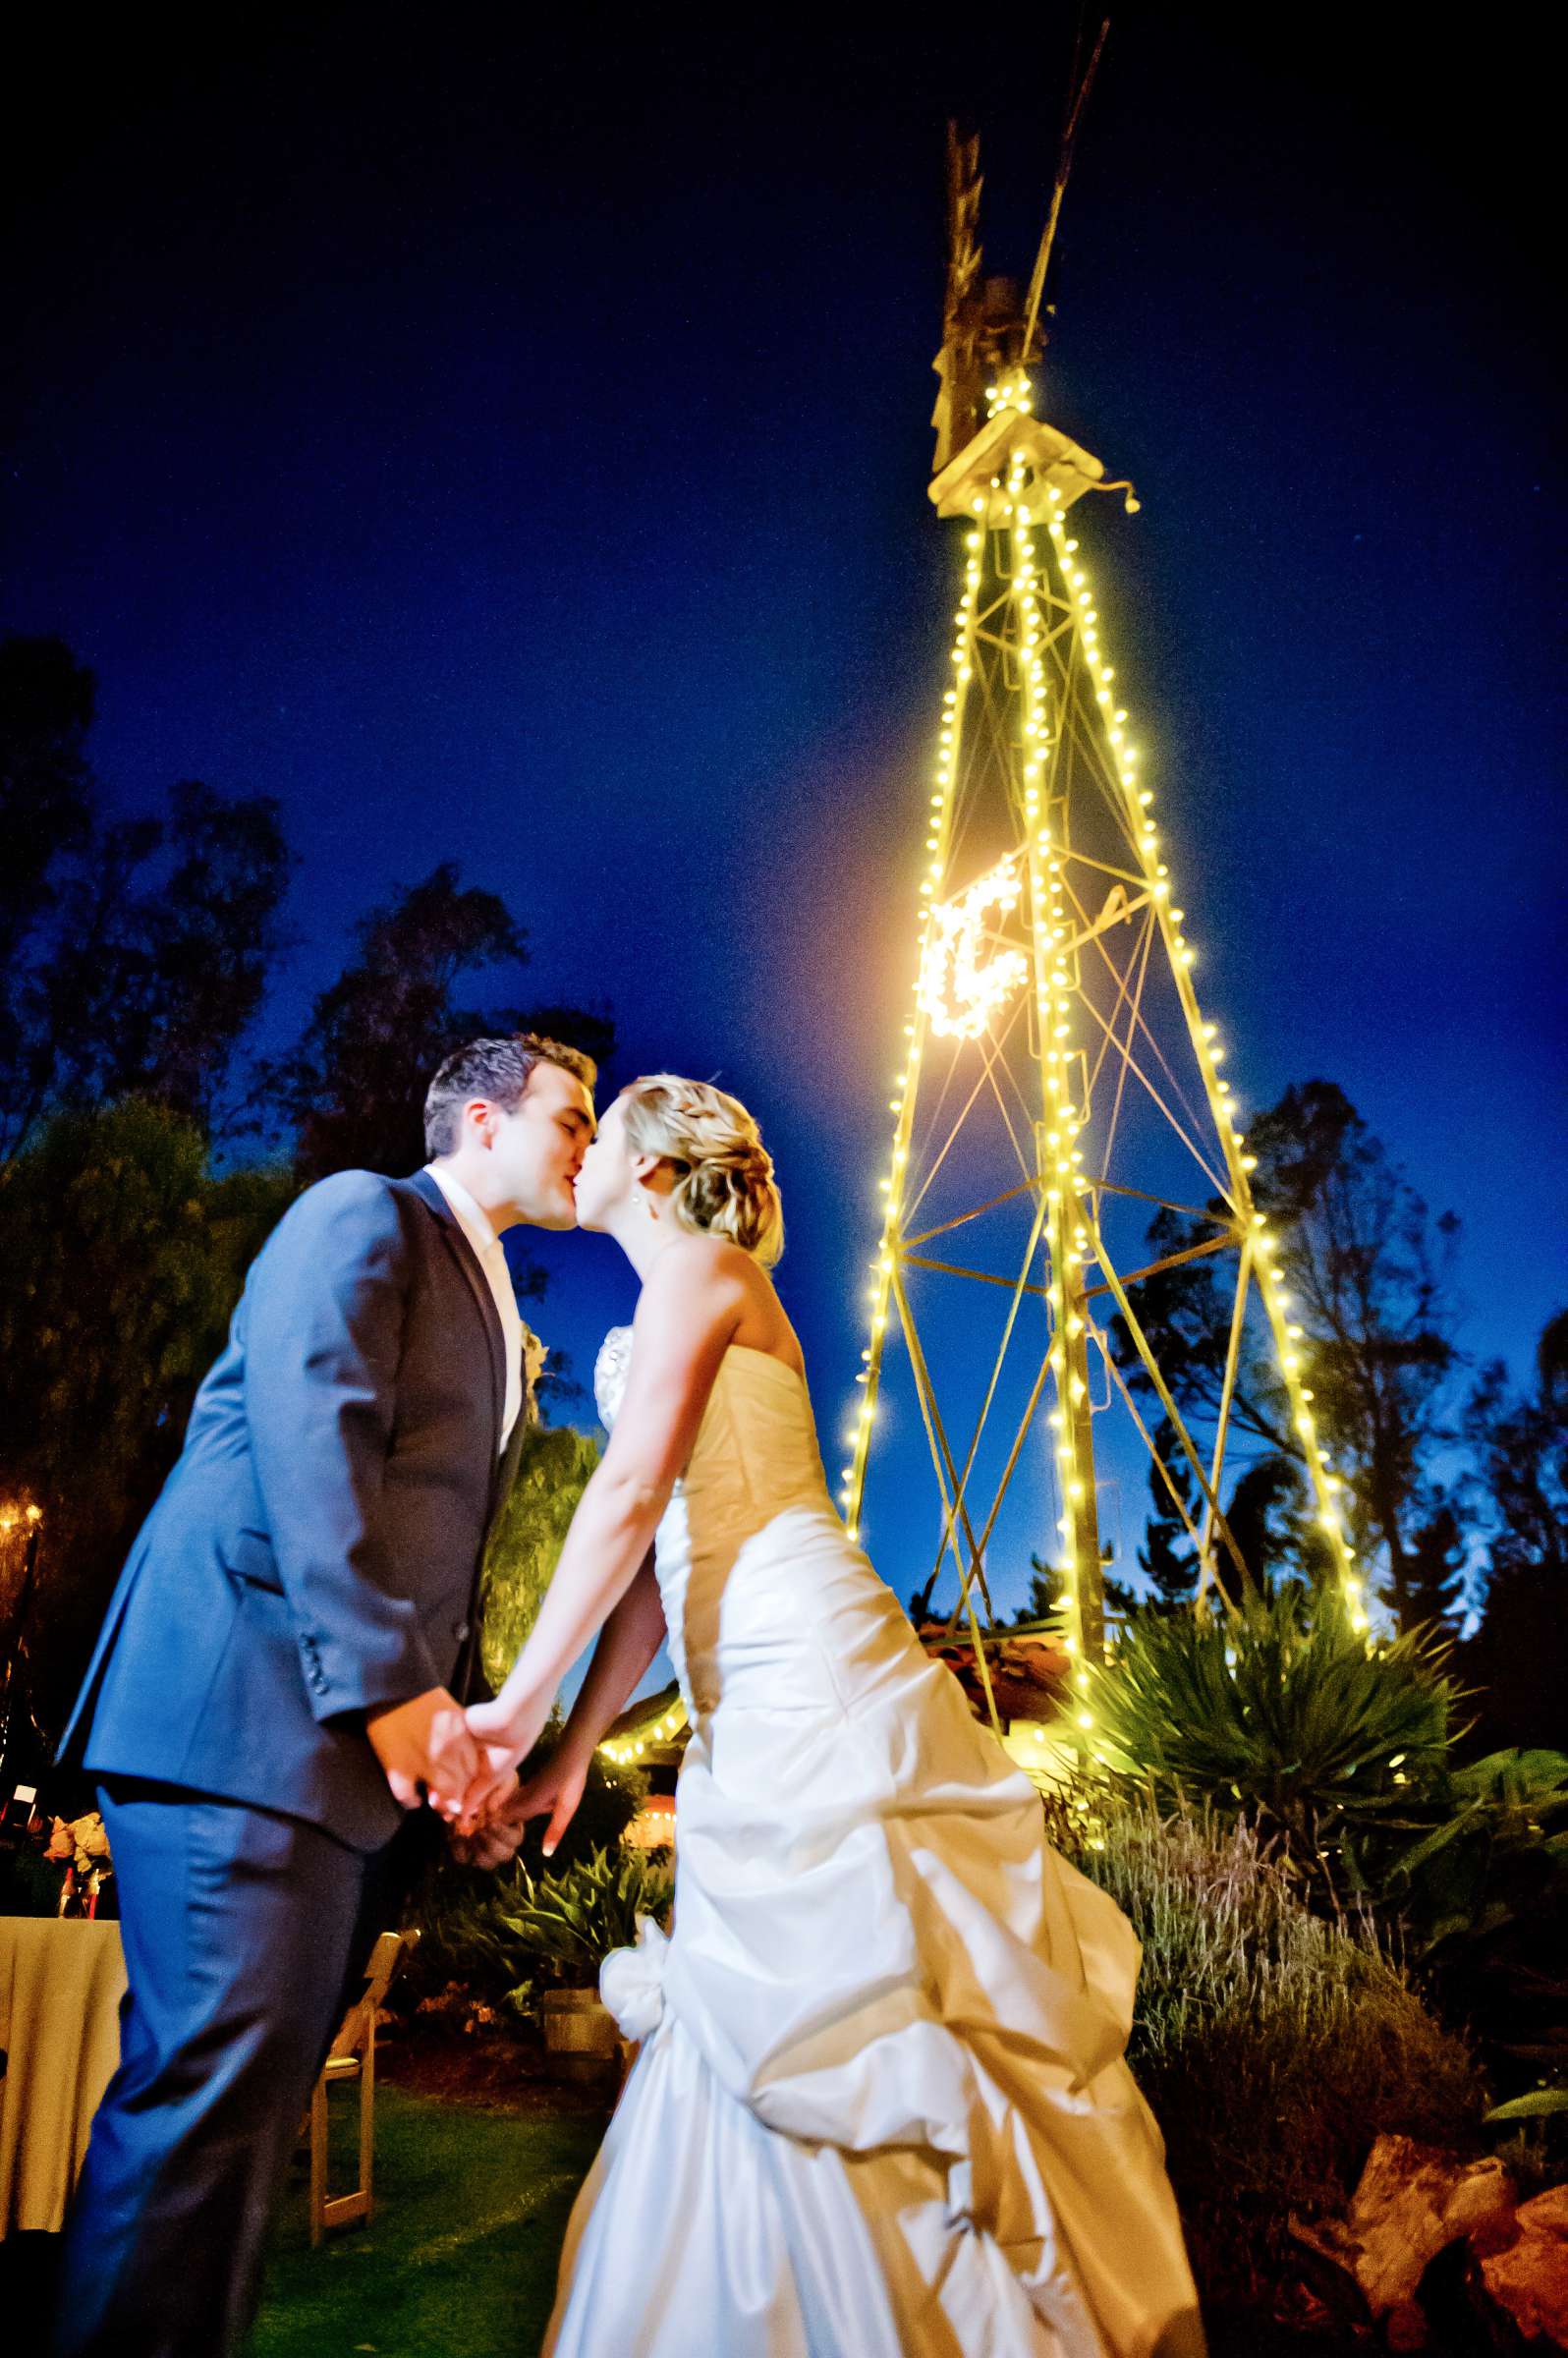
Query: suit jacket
(315, 1553)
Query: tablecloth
(60, 1989)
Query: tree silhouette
(137, 952)
(1045, 1587)
(353, 1089)
(1166, 1556)
(1437, 1553)
(1371, 1273)
(46, 707)
(168, 942)
(123, 1256)
(1522, 1443)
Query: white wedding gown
(881, 2105)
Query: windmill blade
(956, 409)
(1064, 165)
(964, 185)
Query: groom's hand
(426, 1750)
(490, 1838)
(494, 1837)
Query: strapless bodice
(750, 1546)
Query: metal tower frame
(1046, 920)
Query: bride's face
(606, 1179)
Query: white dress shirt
(492, 1261)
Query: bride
(881, 2104)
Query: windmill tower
(1059, 1082)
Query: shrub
(1272, 2045)
(1494, 1849)
(568, 1924)
(463, 1914)
(1481, 1898)
(525, 1547)
(1286, 1718)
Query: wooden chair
(352, 2057)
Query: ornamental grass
(1272, 2045)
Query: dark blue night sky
(514, 452)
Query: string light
(1013, 392)
(1063, 1120)
(901, 1104)
(624, 1751)
(964, 981)
(1138, 803)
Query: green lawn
(471, 2202)
(460, 2259)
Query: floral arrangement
(82, 1846)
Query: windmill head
(984, 317)
(991, 326)
(984, 330)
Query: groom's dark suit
(313, 1558)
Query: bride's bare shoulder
(689, 1259)
(716, 1256)
(711, 1279)
(692, 1269)
(733, 1290)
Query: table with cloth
(60, 1989)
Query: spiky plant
(463, 1914)
(1280, 1712)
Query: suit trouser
(239, 1926)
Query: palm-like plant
(1280, 1712)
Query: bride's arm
(628, 1642)
(690, 1308)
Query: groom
(280, 1675)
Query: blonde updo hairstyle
(724, 1183)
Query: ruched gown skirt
(881, 2105)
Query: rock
(1412, 2201)
(1520, 2270)
(1329, 2243)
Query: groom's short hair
(497, 1069)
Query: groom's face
(538, 1147)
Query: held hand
(426, 1751)
(504, 1732)
(558, 1788)
(495, 1836)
